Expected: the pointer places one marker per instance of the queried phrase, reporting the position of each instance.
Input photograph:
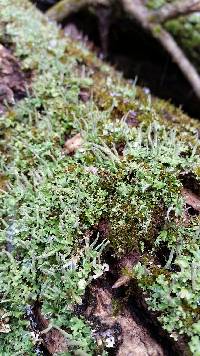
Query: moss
(128, 175)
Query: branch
(142, 15)
(180, 59)
(139, 12)
(64, 8)
(174, 10)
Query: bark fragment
(121, 331)
(191, 199)
(13, 80)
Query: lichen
(129, 175)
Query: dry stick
(179, 8)
(142, 15)
(64, 8)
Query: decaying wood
(179, 57)
(121, 329)
(191, 199)
(55, 339)
(13, 80)
(126, 265)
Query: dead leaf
(73, 144)
(121, 281)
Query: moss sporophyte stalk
(130, 175)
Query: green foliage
(50, 259)
(176, 294)
(187, 33)
(155, 4)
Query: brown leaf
(73, 144)
(121, 281)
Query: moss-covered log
(133, 157)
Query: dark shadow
(135, 53)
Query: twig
(174, 10)
(142, 15)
